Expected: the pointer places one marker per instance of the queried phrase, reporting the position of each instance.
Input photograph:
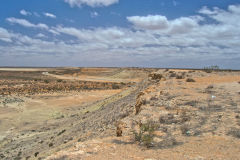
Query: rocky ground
(179, 114)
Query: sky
(120, 33)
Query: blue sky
(115, 33)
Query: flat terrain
(77, 113)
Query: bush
(210, 87)
(234, 132)
(145, 135)
(211, 69)
(59, 80)
(46, 81)
(155, 76)
(179, 77)
(173, 74)
(168, 119)
(190, 80)
(115, 86)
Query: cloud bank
(153, 41)
(26, 23)
(91, 3)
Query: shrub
(234, 132)
(168, 119)
(211, 69)
(115, 86)
(46, 81)
(210, 87)
(179, 77)
(85, 87)
(59, 80)
(155, 76)
(145, 135)
(173, 74)
(190, 80)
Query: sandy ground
(195, 148)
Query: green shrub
(46, 81)
(145, 135)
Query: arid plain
(119, 113)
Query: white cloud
(223, 16)
(154, 41)
(161, 23)
(94, 14)
(91, 3)
(50, 15)
(5, 35)
(182, 25)
(98, 35)
(25, 13)
(26, 23)
(40, 35)
(153, 22)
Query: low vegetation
(145, 134)
(210, 69)
(190, 80)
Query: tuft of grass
(57, 115)
(190, 80)
(235, 132)
(210, 87)
(59, 80)
(191, 103)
